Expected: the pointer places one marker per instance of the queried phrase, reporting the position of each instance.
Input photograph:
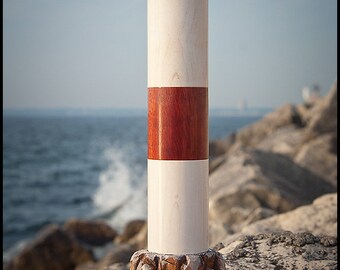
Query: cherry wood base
(144, 259)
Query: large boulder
(133, 238)
(221, 146)
(53, 249)
(95, 266)
(119, 254)
(285, 140)
(283, 130)
(117, 266)
(323, 117)
(94, 233)
(131, 229)
(281, 250)
(253, 134)
(218, 231)
(317, 218)
(319, 155)
(264, 183)
(140, 240)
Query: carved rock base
(145, 260)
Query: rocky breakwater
(73, 246)
(272, 202)
(277, 179)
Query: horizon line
(120, 112)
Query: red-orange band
(178, 123)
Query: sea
(87, 167)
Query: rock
(251, 179)
(119, 254)
(216, 162)
(87, 266)
(324, 115)
(259, 214)
(218, 231)
(53, 249)
(320, 156)
(140, 240)
(131, 229)
(317, 218)
(284, 140)
(252, 135)
(281, 250)
(94, 233)
(221, 146)
(117, 266)
(94, 266)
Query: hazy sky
(92, 53)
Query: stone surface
(148, 260)
(94, 266)
(131, 229)
(253, 179)
(120, 254)
(87, 266)
(285, 140)
(317, 218)
(95, 233)
(319, 155)
(218, 231)
(53, 249)
(117, 266)
(221, 146)
(324, 115)
(253, 134)
(139, 241)
(215, 163)
(281, 250)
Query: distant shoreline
(121, 112)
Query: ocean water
(55, 168)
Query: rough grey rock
(94, 266)
(118, 266)
(217, 231)
(317, 218)
(281, 250)
(215, 163)
(320, 156)
(52, 249)
(95, 233)
(252, 179)
(131, 229)
(285, 140)
(253, 134)
(139, 241)
(87, 266)
(324, 115)
(221, 146)
(119, 254)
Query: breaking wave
(121, 195)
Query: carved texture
(144, 259)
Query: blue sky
(92, 54)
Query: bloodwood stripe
(178, 123)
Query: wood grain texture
(178, 123)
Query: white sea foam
(121, 195)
